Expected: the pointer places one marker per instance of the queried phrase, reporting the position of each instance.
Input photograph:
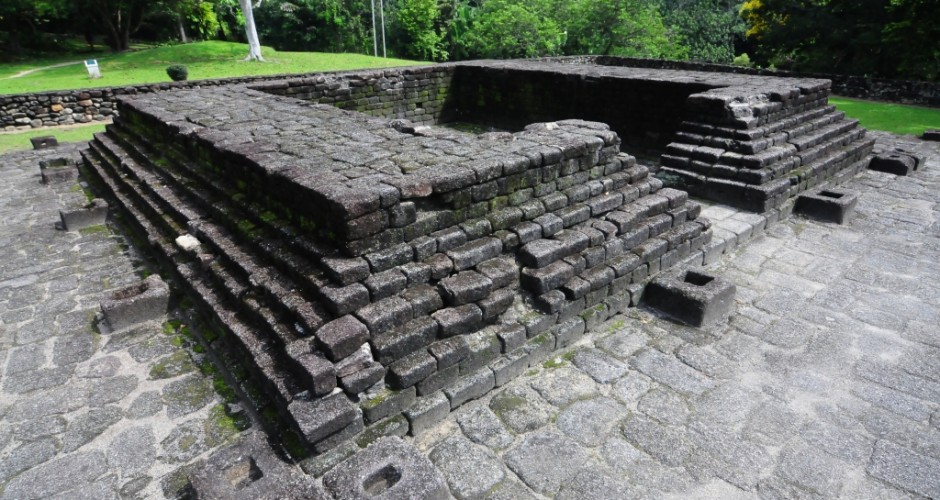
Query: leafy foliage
(177, 72)
(888, 38)
(709, 29)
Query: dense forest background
(879, 38)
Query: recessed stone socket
(57, 170)
(92, 214)
(136, 304)
(692, 297)
(44, 142)
(828, 205)
(382, 480)
(894, 163)
(243, 473)
(931, 135)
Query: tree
(887, 38)
(708, 28)
(513, 28)
(323, 25)
(254, 45)
(15, 15)
(418, 19)
(119, 19)
(616, 27)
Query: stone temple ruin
(371, 269)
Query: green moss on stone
(173, 365)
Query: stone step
(258, 352)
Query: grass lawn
(894, 118)
(213, 59)
(20, 140)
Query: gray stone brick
(459, 320)
(341, 337)
(465, 287)
(427, 412)
(469, 387)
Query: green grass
(895, 118)
(20, 140)
(211, 59)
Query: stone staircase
(759, 152)
(553, 231)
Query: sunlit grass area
(894, 118)
(213, 59)
(20, 140)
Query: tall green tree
(513, 28)
(709, 29)
(887, 38)
(616, 27)
(418, 19)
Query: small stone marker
(827, 205)
(692, 297)
(388, 469)
(44, 142)
(250, 469)
(931, 135)
(57, 170)
(93, 70)
(894, 163)
(129, 306)
(92, 214)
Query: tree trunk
(254, 46)
(179, 22)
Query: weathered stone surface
(389, 468)
(470, 470)
(546, 460)
(342, 337)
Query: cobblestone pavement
(824, 383)
(85, 414)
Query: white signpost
(92, 66)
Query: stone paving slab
(85, 413)
(823, 383)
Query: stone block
(475, 252)
(318, 419)
(693, 297)
(465, 287)
(470, 387)
(57, 170)
(550, 277)
(893, 163)
(388, 469)
(424, 300)
(342, 337)
(135, 304)
(427, 412)
(450, 351)
(385, 314)
(828, 205)
(92, 214)
(509, 367)
(411, 369)
(459, 320)
(386, 402)
(250, 469)
(44, 142)
(411, 336)
(931, 135)
(496, 304)
(501, 271)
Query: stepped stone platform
(375, 271)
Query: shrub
(742, 60)
(177, 72)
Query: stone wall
(45, 109)
(880, 89)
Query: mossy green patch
(96, 229)
(171, 366)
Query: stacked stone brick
(368, 274)
(758, 152)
